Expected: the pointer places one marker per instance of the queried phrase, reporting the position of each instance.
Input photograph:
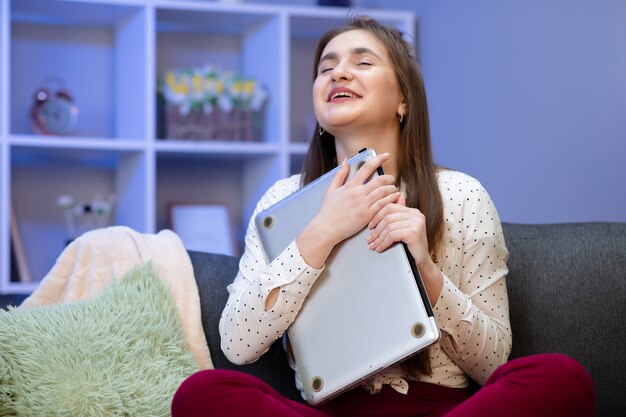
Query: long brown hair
(416, 168)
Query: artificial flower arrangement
(208, 103)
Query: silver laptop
(365, 313)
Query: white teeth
(343, 94)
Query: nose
(341, 72)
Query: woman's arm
(398, 223)
(348, 205)
(247, 330)
(474, 315)
(265, 298)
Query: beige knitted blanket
(98, 257)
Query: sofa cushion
(567, 289)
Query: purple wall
(530, 98)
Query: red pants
(540, 385)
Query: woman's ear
(401, 109)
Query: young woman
(368, 92)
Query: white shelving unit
(110, 54)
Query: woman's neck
(349, 145)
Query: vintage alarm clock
(53, 112)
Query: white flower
(225, 103)
(184, 108)
(65, 201)
(258, 99)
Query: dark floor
(11, 299)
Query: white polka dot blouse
(472, 310)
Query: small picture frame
(203, 227)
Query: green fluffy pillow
(122, 353)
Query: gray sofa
(567, 291)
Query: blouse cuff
(452, 307)
(291, 273)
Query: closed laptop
(366, 312)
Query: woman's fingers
(369, 167)
(380, 214)
(385, 209)
(394, 222)
(351, 201)
(381, 197)
(378, 182)
(387, 219)
(340, 176)
(397, 231)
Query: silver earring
(401, 117)
(321, 130)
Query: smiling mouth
(342, 94)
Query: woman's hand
(348, 206)
(396, 222)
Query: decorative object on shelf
(208, 103)
(18, 255)
(53, 111)
(203, 227)
(81, 217)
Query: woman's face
(356, 84)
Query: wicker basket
(237, 125)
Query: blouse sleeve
(246, 329)
(474, 316)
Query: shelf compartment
(40, 176)
(60, 39)
(230, 40)
(233, 181)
